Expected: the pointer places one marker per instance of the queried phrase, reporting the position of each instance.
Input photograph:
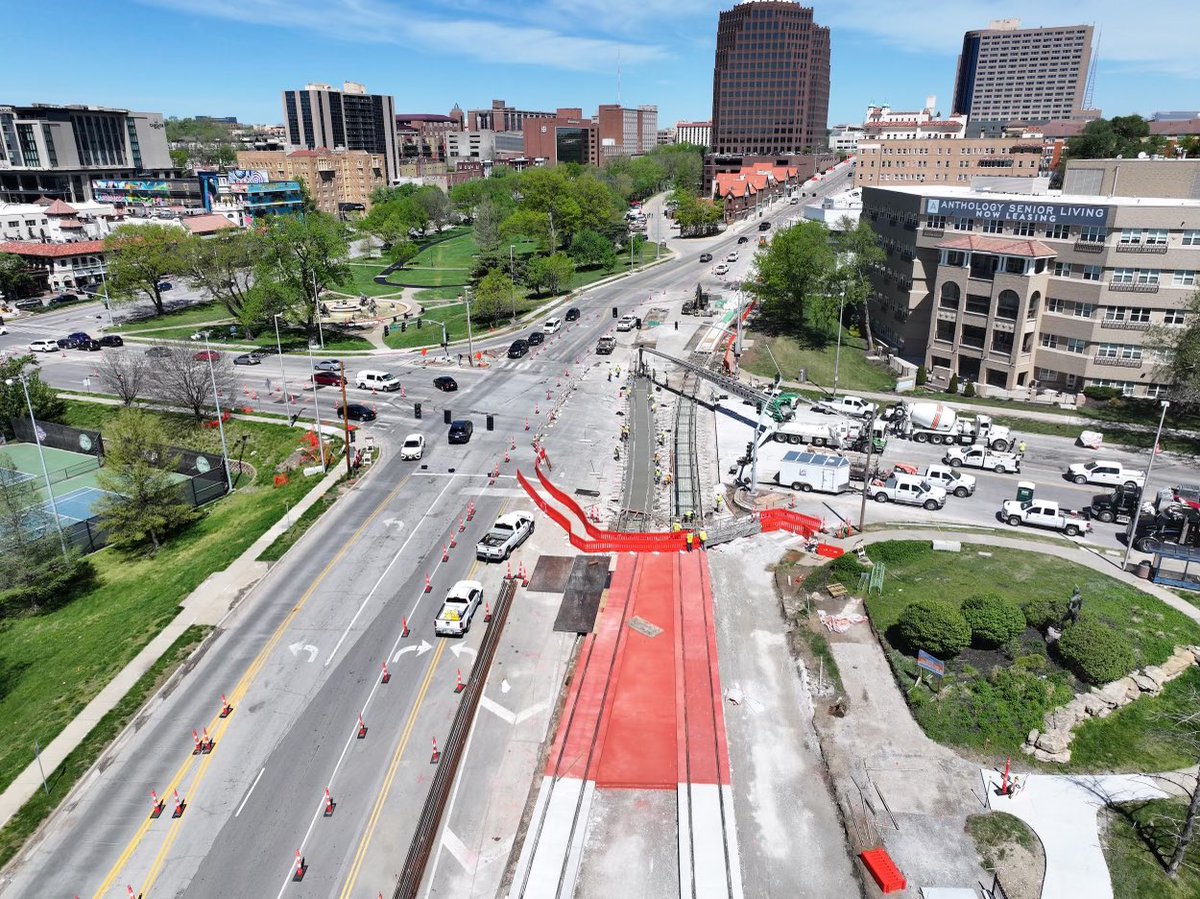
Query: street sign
(930, 664)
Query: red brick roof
(70, 223)
(207, 224)
(58, 207)
(1176, 128)
(1003, 246)
(52, 250)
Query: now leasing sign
(1018, 211)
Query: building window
(993, 226)
(1139, 315)
(1050, 341)
(950, 296)
(1023, 229)
(1107, 351)
(936, 222)
(1093, 234)
(1173, 317)
(1147, 275)
(1122, 275)
(1191, 239)
(1075, 345)
(1115, 313)
(1156, 237)
(1062, 269)
(964, 224)
(1083, 310)
(1058, 232)
(1131, 237)
(1183, 279)
(1091, 272)
(1054, 304)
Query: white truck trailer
(814, 471)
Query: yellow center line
(218, 725)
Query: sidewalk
(208, 604)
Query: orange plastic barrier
(829, 552)
(787, 520)
(280, 480)
(884, 871)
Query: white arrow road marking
(505, 686)
(458, 650)
(389, 522)
(419, 649)
(456, 847)
(297, 648)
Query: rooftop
(1001, 246)
(206, 224)
(52, 250)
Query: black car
(572, 314)
(248, 359)
(445, 383)
(764, 226)
(111, 340)
(158, 352)
(460, 431)
(536, 338)
(356, 412)
(165, 285)
(91, 345)
(517, 349)
(743, 239)
(706, 257)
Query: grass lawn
(52, 665)
(990, 699)
(437, 294)
(445, 262)
(76, 764)
(454, 317)
(191, 315)
(293, 340)
(1172, 441)
(1136, 847)
(362, 281)
(996, 833)
(854, 371)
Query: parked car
(460, 431)
(721, 270)
(573, 314)
(732, 257)
(158, 352)
(356, 412)
(328, 365)
(552, 326)
(982, 457)
(764, 226)
(373, 379)
(165, 285)
(854, 406)
(3, 329)
(248, 359)
(77, 338)
(112, 340)
(91, 345)
(1044, 513)
(207, 356)
(509, 532)
(606, 345)
(200, 335)
(910, 490)
(706, 257)
(462, 601)
(445, 383)
(413, 447)
(1109, 474)
(535, 338)
(43, 346)
(629, 322)
(743, 239)
(518, 348)
(327, 379)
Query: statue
(1074, 605)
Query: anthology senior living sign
(1010, 211)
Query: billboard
(146, 187)
(247, 176)
(1018, 211)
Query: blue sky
(233, 57)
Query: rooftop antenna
(618, 74)
(1090, 90)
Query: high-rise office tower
(770, 80)
(349, 119)
(1007, 73)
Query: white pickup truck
(854, 406)
(509, 532)
(1110, 474)
(462, 601)
(909, 490)
(950, 479)
(1044, 513)
(981, 457)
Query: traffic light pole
(345, 421)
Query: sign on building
(1018, 211)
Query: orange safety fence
(787, 520)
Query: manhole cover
(644, 627)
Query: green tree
(1178, 352)
(47, 405)
(546, 274)
(858, 253)
(224, 265)
(793, 273)
(527, 224)
(1107, 138)
(140, 257)
(303, 255)
(435, 204)
(144, 505)
(493, 297)
(180, 158)
(590, 249)
(486, 226)
(14, 277)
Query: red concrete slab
(698, 706)
(718, 695)
(639, 733)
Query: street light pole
(217, 401)
(862, 508)
(1137, 514)
(512, 280)
(470, 345)
(282, 374)
(107, 298)
(837, 357)
(317, 409)
(317, 309)
(62, 541)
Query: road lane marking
(248, 792)
(395, 558)
(217, 725)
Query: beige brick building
(1030, 291)
(944, 160)
(340, 181)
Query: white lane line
(248, 792)
(386, 571)
(456, 847)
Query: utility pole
(862, 509)
(512, 281)
(282, 374)
(1137, 514)
(470, 345)
(754, 455)
(317, 308)
(208, 354)
(345, 421)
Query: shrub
(844, 566)
(952, 387)
(993, 620)
(969, 389)
(1101, 394)
(922, 376)
(933, 626)
(1041, 611)
(900, 552)
(1095, 652)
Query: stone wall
(1053, 742)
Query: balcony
(1141, 248)
(1120, 363)
(1089, 246)
(933, 232)
(1124, 325)
(1132, 287)
(1000, 356)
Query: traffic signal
(418, 323)
(614, 311)
(385, 330)
(403, 327)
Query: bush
(935, 627)
(901, 552)
(1095, 652)
(969, 389)
(1101, 394)
(1043, 611)
(952, 387)
(993, 620)
(845, 566)
(922, 376)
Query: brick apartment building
(567, 136)
(340, 181)
(625, 131)
(942, 160)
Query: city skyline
(470, 53)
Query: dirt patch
(1011, 851)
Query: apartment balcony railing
(933, 232)
(1089, 246)
(1132, 287)
(1141, 248)
(1125, 326)
(1120, 363)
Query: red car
(207, 356)
(328, 378)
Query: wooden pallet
(836, 590)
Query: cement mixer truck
(928, 422)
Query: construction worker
(703, 537)
(720, 502)
(689, 541)
(1021, 449)
(675, 526)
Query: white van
(44, 346)
(376, 380)
(552, 326)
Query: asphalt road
(300, 659)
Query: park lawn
(966, 710)
(454, 317)
(362, 281)
(437, 294)
(855, 371)
(1137, 847)
(200, 313)
(54, 664)
(442, 263)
